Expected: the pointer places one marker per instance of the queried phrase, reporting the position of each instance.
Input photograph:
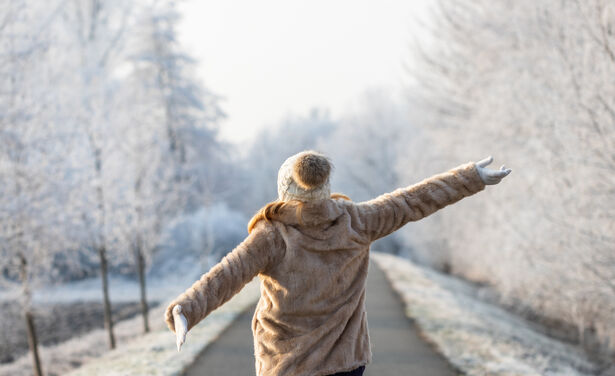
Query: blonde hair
(270, 211)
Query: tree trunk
(32, 341)
(33, 344)
(141, 270)
(139, 259)
(102, 248)
(102, 253)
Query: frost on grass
(136, 354)
(55, 323)
(478, 338)
(156, 352)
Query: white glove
(488, 176)
(181, 326)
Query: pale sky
(273, 58)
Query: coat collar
(312, 212)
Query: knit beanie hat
(305, 177)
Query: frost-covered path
(479, 338)
(396, 346)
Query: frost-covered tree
(96, 32)
(188, 107)
(32, 222)
(537, 79)
(168, 137)
(105, 137)
(147, 195)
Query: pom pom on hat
(305, 177)
(311, 170)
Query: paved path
(397, 349)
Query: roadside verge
(477, 337)
(155, 353)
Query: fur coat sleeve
(390, 211)
(225, 279)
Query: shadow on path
(396, 346)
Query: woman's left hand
(491, 177)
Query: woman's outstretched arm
(225, 279)
(390, 211)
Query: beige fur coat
(311, 319)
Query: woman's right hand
(181, 326)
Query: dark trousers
(354, 372)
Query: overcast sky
(272, 58)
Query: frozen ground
(75, 302)
(54, 323)
(156, 354)
(479, 338)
